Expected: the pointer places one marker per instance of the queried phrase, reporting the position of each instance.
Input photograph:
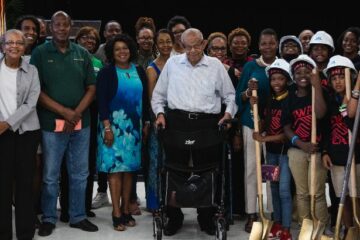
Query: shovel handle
(258, 156)
(257, 145)
(353, 191)
(313, 141)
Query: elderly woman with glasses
(19, 136)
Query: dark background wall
(209, 16)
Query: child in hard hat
(276, 147)
(290, 47)
(296, 119)
(321, 49)
(337, 143)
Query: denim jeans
(281, 194)
(75, 147)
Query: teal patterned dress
(126, 123)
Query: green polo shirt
(64, 78)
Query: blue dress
(126, 123)
(152, 185)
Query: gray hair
(12, 31)
(61, 13)
(191, 31)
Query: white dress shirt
(200, 88)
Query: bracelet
(355, 92)
(355, 96)
(246, 93)
(107, 128)
(293, 139)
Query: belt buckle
(193, 116)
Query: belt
(193, 115)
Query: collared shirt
(25, 117)
(64, 77)
(199, 88)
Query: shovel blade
(267, 224)
(353, 234)
(318, 230)
(324, 237)
(256, 231)
(306, 229)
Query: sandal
(128, 220)
(118, 223)
(134, 209)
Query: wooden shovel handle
(257, 146)
(313, 140)
(353, 191)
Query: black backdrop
(216, 15)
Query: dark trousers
(17, 165)
(179, 121)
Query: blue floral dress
(126, 123)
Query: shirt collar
(52, 48)
(203, 61)
(24, 66)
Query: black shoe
(46, 229)
(206, 225)
(90, 214)
(85, 225)
(172, 228)
(251, 219)
(37, 222)
(173, 225)
(64, 217)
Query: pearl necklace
(261, 60)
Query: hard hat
(339, 61)
(301, 58)
(322, 37)
(279, 64)
(292, 38)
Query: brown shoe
(251, 219)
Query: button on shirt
(199, 88)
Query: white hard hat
(322, 37)
(279, 64)
(339, 61)
(302, 58)
(290, 37)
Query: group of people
(70, 110)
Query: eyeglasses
(146, 38)
(178, 32)
(218, 49)
(290, 45)
(17, 43)
(86, 37)
(196, 47)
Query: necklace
(261, 60)
(282, 96)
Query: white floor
(143, 230)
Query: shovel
(260, 230)
(312, 229)
(353, 232)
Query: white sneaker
(100, 200)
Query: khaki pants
(337, 176)
(299, 163)
(250, 171)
